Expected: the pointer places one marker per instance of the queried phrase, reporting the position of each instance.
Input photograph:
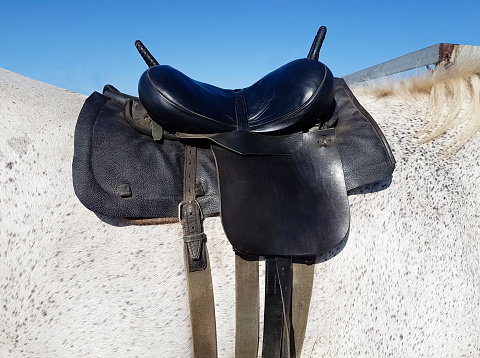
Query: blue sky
(82, 45)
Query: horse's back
(405, 284)
(73, 285)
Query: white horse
(407, 283)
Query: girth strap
(246, 307)
(202, 311)
(303, 275)
(191, 215)
(278, 330)
(197, 264)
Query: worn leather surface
(109, 153)
(278, 335)
(366, 155)
(294, 205)
(291, 98)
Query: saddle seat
(287, 100)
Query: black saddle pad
(118, 171)
(110, 156)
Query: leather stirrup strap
(191, 215)
(246, 307)
(197, 264)
(303, 275)
(202, 311)
(277, 342)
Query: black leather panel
(293, 205)
(366, 155)
(109, 153)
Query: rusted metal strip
(445, 53)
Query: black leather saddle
(289, 202)
(276, 160)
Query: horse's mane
(453, 92)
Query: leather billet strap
(303, 274)
(247, 301)
(288, 291)
(278, 330)
(190, 214)
(197, 264)
(202, 310)
(193, 236)
(284, 328)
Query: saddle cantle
(275, 160)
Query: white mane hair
(453, 92)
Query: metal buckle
(185, 202)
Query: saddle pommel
(146, 55)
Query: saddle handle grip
(314, 52)
(146, 55)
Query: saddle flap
(292, 205)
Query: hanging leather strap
(202, 311)
(197, 264)
(246, 307)
(303, 275)
(190, 215)
(277, 333)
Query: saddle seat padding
(287, 100)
